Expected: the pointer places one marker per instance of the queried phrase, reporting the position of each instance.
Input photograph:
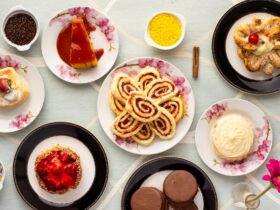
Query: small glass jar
(242, 193)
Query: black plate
(170, 163)
(219, 46)
(53, 129)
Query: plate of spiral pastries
(146, 105)
(233, 137)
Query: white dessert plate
(263, 137)
(14, 119)
(132, 67)
(105, 36)
(93, 161)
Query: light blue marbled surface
(77, 104)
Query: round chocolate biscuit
(148, 198)
(180, 188)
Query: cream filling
(10, 97)
(265, 46)
(232, 136)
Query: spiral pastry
(165, 125)
(176, 107)
(147, 75)
(161, 90)
(142, 108)
(145, 136)
(117, 106)
(125, 125)
(122, 86)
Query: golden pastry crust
(165, 125)
(117, 106)
(176, 106)
(265, 55)
(69, 152)
(145, 136)
(17, 84)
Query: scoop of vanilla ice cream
(232, 136)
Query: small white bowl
(3, 176)
(151, 42)
(13, 11)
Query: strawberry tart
(58, 170)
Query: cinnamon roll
(165, 125)
(142, 108)
(145, 136)
(176, 107)
(161, 90)
(122, 86)
(125, 125)
(145, 76)
(116, 105)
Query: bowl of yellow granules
(165, 30)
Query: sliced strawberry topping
(58, 171)
(4, 84)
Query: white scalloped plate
(263, 137)
(99, 38)
(107, 116)
(15, 119)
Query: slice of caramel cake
(82, 54)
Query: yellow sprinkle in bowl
(165, 30)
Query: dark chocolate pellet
(20, 29)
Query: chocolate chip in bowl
(20, 28)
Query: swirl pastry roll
(147, 75)
(161, 90)
(122, 86)
(142, 108)
(125, 125)
(145, 136)
(176, 106)
(116, 105)
(165, 125)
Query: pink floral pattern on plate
(165, 70)
(257, 156)
(92, 16)
(67, 72)
(127, 142)
(215, 111)
(21, 120)
(8, 61)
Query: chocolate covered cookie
(148, 198)
(180, 188)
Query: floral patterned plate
(263, 137)
(18, 118)
(132, 67)
(105, 36)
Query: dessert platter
(83, 42)
(168, 183)
(60, 165)
(146, 105)
(233, 137)
(22, 93)
(245, 46)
